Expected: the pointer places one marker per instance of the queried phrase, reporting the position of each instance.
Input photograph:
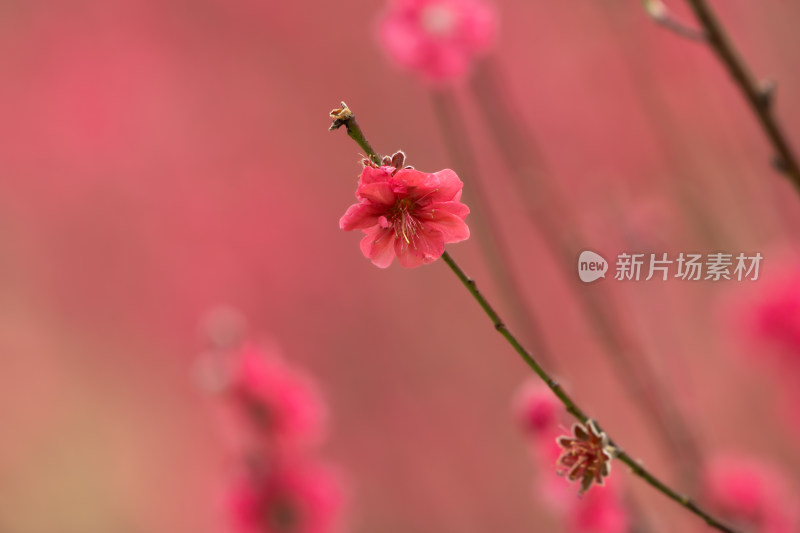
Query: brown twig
(758, 96)
(661, 16)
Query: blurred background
(161, 158)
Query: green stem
(500, 326)
(759, 99)
(342, 116)
(346, 117)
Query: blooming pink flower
(752, 493)
(437, 38)
(406, 213)
(273, 404)
(286, 499)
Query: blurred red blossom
(775, 320)
(277, 416)
(286, 499)
(752, 493)
(272, 403)
(600, 510)
(766, 331)
(536, 409)
(437, 38)
(406, 213)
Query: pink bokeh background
(161, 158)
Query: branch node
(780, 164)
(766, 93)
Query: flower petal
(372, 174)
(407, 255)
(456, 208)
(450, 227)
(429, 243)
(360, 216)
(379, 193)
(447, 184)
(412, 177)
(378, 246)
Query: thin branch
(758, 96)
(661, 16)
(552, 215)
(490, 234)
(342, 116)
(554, 386)
(572, 407)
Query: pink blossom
(407, 213)
(536, 408)
(273, 404)
(776, 320)
(752, 493)
(600, 510)
(437, 38)
(286, 499)
(763, 326)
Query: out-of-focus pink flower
(775, 320)
(273, 404)
(407, 213)
(437, 38)
(542, 419)
(287, 499)
(751, 493)
(536, 409)
(601, 510)
(763, 326)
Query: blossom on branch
(586, 455)
(406, 213)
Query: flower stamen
(404, 222)
(586, 455)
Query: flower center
(282, 515)
(438, 19)
(403, 221)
